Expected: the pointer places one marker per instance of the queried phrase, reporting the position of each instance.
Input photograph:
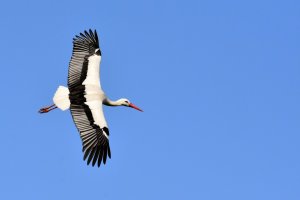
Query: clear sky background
(218, 81)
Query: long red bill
(135, 107)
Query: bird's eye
(126, 101)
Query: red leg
(47, 109)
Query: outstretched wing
(86, 98)
(84, 66)
(94, 139)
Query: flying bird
(85, 97)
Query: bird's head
(126, 102)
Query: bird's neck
(109, 102)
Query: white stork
(84, 96)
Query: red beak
(135, 107)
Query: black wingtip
(91, 32)
(96, 37)
(108, 151)
(97, 155)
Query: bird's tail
(61, 98)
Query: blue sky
(218, 81)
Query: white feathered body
(93, 93)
